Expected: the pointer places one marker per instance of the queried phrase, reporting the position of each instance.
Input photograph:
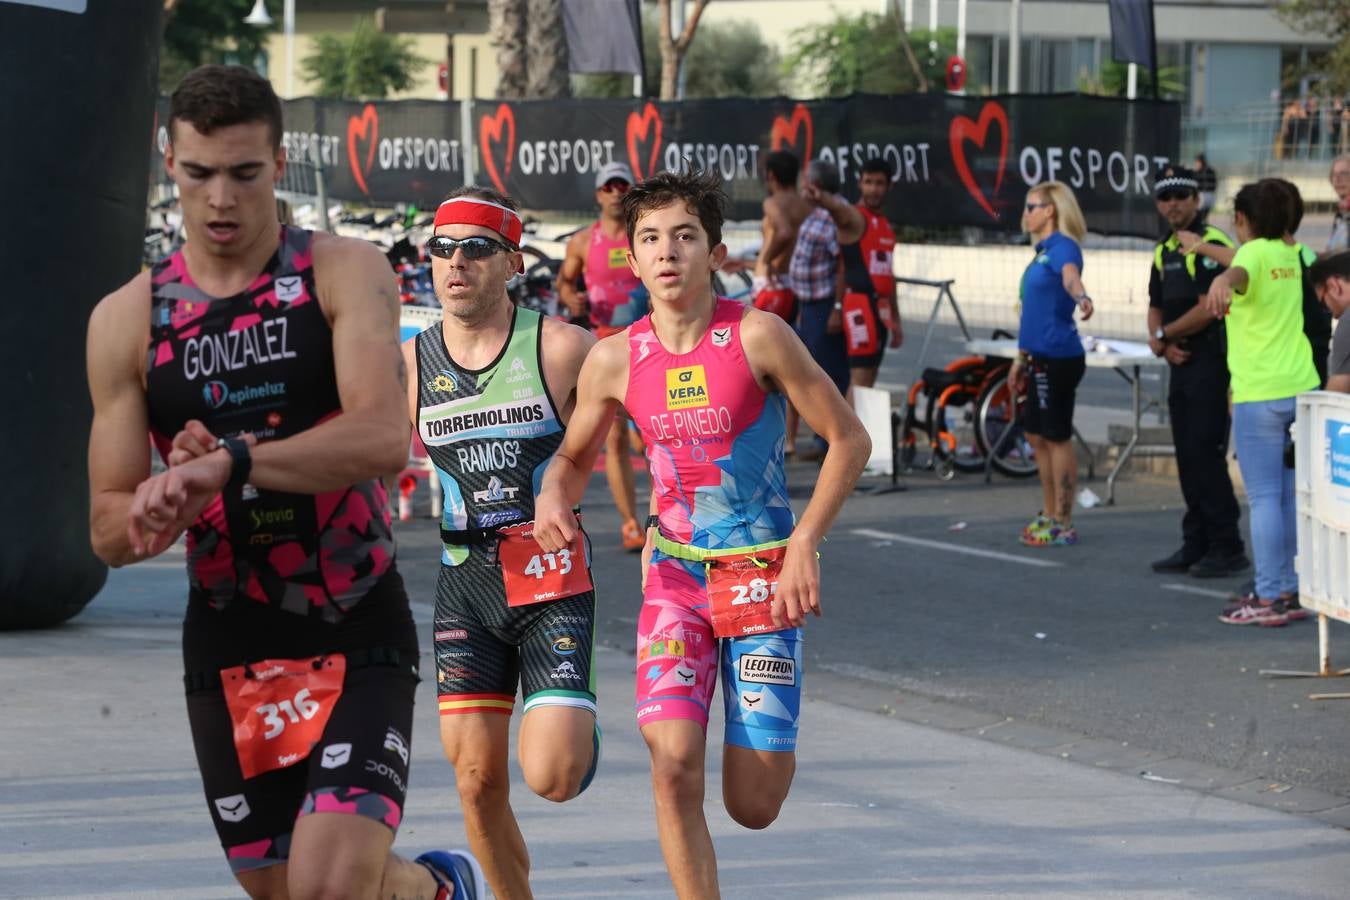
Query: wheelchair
(963, 410)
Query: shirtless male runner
(614, 299)
(784, 211)
(493, 388)
(706, 379)
(263, 362)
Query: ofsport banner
(958, 161)
(371, 152)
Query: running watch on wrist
(653, 521)
(241, 461)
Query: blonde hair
(1068, 216)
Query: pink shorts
(678, 659)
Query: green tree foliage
(865, 54)
(1114, 81)
(1328, 19)
(364, 63)
(727, 59)
(197, 32)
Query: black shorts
(359, 767)
(1051, 386)
(369, 730)
(485, 648)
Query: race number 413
(756, 591)
(541, 564)
(298, 708)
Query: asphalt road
(1085, 639)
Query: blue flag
(1132, 35)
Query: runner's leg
(677, 749)
(755, 783)
(557, 749)
(338, 855)
(476, 745)
(265, 884)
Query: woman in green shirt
(1270, 362)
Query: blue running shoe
(457, 869)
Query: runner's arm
(119, 440)
(846, 216)
(777, 239)
(573, 265)
(564, 482)
(778, 356)
(565, 350)
(369, 437)
(409, 351)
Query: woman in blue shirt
(1050, 359)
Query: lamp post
(258, 16)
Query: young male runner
(493, 389)
(869, 270)
(263, 361)
(614, 298)
(705, 379)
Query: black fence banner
(405, 151)
(958, 161)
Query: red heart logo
(366, 127)
(977, 132)
(784, 131)
(490, 132)
(640, 128)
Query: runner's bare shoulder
(119, 326)
(347, 268)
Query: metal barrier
(1322, 487)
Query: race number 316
(300, 707)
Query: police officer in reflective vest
(1193, 343)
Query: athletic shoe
(1292, 609)
(455, 869)
(1053, 535)
(1178, 562)
(1216, 566)
(1254, 612)
(632, 536)
(1040, 523)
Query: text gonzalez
(261, 342)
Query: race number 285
(757, 591)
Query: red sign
(956, 73)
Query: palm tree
(546, 41)
(506, 25)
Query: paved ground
(99, 799)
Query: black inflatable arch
(79, 80)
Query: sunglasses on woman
(1032, 207)
(472, 247)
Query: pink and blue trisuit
(715, 442)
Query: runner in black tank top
(493, 389)
(262, 361)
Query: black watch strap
(241, 462)
(653, 521)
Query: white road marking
(1203, 592)
(954, 548)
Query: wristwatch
(241, 462)
(1160, 333)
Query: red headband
(473, 211)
